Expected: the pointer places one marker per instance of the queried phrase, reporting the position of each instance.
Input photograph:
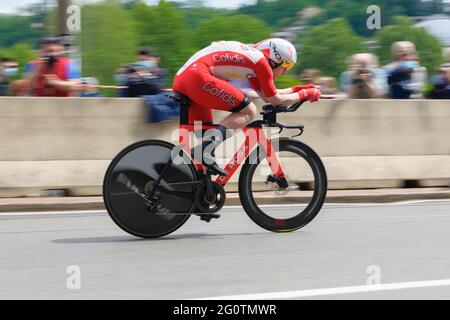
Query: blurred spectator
(363, 79)
(89, 88)
(441, 80)
(441, 85)
(309, 75)
(142, 77)
(20, 87)
(52, 74)
(406, 78)
(328, 85)
(8, 70)
(161, 108)
(145, 79)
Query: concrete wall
(52, 143)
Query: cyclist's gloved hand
(302, 87)
(312, 94)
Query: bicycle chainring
(215, 203)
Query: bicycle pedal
(208, 216)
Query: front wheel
(289, 204)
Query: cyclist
(205, 78)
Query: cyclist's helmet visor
(288, 65)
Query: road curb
(367, 196)
(333, 196)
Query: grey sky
(8, 6)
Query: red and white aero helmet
(278, 52)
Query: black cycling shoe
(213, 167)
(209, 161)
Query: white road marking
(334, 291)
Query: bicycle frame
(253, 137)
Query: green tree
(195, 11)
(428, 47)
(277, 13)
(286, 81)
(108, 39)
(195, 15)
(352, 11)
(241, 28)
(15, 29)
(328, 47)
(281, 13)
(164, 28)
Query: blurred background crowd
(133, 48)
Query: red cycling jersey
(205, 78)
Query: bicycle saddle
(182, 99)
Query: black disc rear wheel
(132, 178)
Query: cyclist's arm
(280, 97)
(298, 88)
(264, 85)
(283, 99)
(285, 91)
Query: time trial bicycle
(152, 187)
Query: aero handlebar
(268, 108)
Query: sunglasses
(288, 65)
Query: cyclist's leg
(208, 92)
(198, 112)
(184, 84)
(221, 95)
(240, 119)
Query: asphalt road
(346, 246)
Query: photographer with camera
(406, 78)
(53, 74)
(143, 77)
(363, 79)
